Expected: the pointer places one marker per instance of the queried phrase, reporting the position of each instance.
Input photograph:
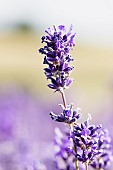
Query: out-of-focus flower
(7, 118)
(64, 159)
(68, 115)
(57, 56)
(34, 165)
(103, 160)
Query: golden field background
(20, 63)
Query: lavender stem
(63, 98)
(71, 127)
(86, 165)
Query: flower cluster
(92, 146)
(86, 138)
(57, 56)
(67, 116)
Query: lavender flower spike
(57, 56)
(86, 138)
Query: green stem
(71, 127)
(86, 165)
(63, 98)
(76, 161)
(76, 164)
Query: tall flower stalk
(86, 147)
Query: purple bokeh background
(26, 130)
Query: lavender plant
(84, 145)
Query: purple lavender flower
(103, 160)
(64, 159)
(57, 56)
(68, 116)
(85, 139)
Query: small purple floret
(67, 116)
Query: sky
(92, 19)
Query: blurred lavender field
(26, 133)
(26, 130)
